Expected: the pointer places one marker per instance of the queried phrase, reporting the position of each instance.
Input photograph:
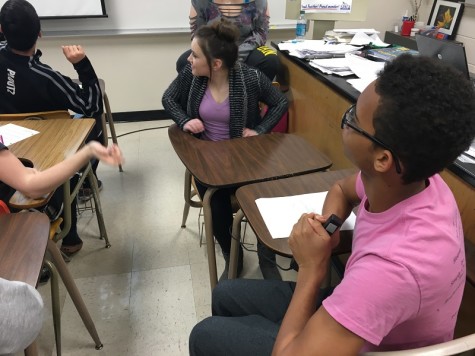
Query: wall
(138, 68)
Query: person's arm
(258, 36)
(63, 92)
(35, 184)
(276, 102)
(172, 98)
(88, 96)
(304, 330)
(340, 200)
(21, 309)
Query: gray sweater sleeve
(21, 315)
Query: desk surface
(246, 160)
(23, 239)
(309, 183)
(57, 140)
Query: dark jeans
(246, 318)
(263, 58)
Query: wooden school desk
(241, 161)
(56, 140)
(247, 195)
(23, 239)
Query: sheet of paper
(362, 39)
(280, 214)
(365, 69)
(12, 133)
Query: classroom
(149, 290)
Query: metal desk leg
(110, 120)
(55, 304)
(236, 240)
(97, 202)
(213, 274)
(73, 292)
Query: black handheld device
(331, 225)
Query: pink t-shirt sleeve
(369, 302)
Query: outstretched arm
(35, 184)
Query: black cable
(268, 259)
(132, 132)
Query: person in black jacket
(28, 85)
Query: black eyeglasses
(348, 119)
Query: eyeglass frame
(372, 138)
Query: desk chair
(43, 115)
(106, 117)
(190, 192)
(453, 347)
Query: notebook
(453, 53)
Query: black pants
(222, 213)
(246, 318)
(263, 58)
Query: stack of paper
(338, 66)
(310, 49)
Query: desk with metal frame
(241, 161)
(56, 140)
(304, 184)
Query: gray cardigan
(247, 87)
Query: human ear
(217, 64)
(383, 160)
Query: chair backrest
(453, 347)
(41, 115)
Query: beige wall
(138, 68)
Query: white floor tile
(150, 288)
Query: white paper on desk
(280, 214)
(12, 133)
(362, 39)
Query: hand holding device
(331, 225)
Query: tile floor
(147, 292)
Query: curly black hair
(426, 114)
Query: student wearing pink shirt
(404, 281)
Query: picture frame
(446, 15)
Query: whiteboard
(143, 16)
